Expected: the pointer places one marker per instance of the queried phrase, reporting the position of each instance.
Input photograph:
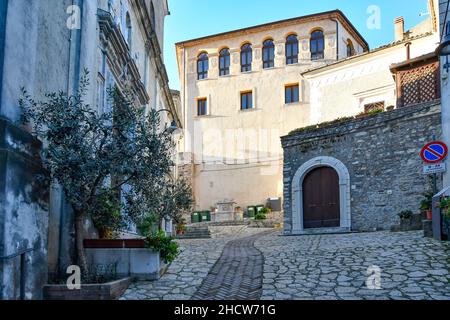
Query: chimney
(399, 28)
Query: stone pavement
(335, 267)
(189, 270)
(237, 275)
(232, 264)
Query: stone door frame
(344, 191)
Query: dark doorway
(321, 205)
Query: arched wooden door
(321, 205)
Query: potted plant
(262, 214)
(166, 246)
(426, 205)
(181, 229)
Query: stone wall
(381, 154)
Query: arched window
(224, 62)
(317, 45)
(202, 66)
(291, 49)
(129, 30)
(268, 54)
(246, 58)
(350, 48)
(152, 15)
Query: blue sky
(196, 18)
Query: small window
(317, 44)
(224, 62)
(202, 107)
(292, 49)
(202, 66)
(246, 58)
(246, 100)
(268, 54)
(350, 48)
(292, 93)
(371, 107)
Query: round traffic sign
(434, 152)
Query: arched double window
(350, 48)
(268, 54)
(202, 66)
(246, 57)
(291, 49)
(317, 45)
(224, 62)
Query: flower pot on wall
(429, 215)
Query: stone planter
(130, 257)
(106, 291)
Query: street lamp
(173, 129)
(444, 47)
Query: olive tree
(90, 153)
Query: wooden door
(321, 205)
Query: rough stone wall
(381, 154)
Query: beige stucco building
(232, 146)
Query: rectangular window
(246, 100)
(374, 106)
(292, 93)
(202, 107)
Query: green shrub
(168, 248)
(407, 214)
(260, 216)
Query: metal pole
(22, 276)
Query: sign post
(432, 155)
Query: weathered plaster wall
(381, 154)
(23, 214)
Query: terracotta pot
(429, 215)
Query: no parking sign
(434, 152)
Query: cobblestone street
(335, 266)
(189, 270)
(229, 266)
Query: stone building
(44, 47)
(358, 173)
(242, 90)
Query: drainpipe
(337, 38)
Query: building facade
(241, 91)
(119, 42)
(303, 72)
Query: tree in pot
(86, 151)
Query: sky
(191, 19)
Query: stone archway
(344, 192)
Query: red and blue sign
(434, 152)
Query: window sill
(249, 110)
(292, 104)
(206, 116)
